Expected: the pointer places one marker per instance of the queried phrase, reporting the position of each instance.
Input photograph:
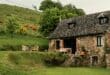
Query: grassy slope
(24, 15)
(22, 40)
(7, 41)
(30, 63)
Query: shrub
(80, 61)
(43, 48)
(54, 59)
(10, 47)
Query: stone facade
(107, 36)
(97, 54)
(89, 44)
(52, 45)
(108, 60)
(107, 49)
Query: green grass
(22, 40)
(74, 71)
(30, 63)
(23, 15)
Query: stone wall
(89, 43)
(107, 49)
(107, 36)
(108, 60)
(52, 45)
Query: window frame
(71, 25)
(103, 20)
(99, 41)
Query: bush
(43, 48)
(80, 61)
(10, 48)
(54, 59)
(29, 59)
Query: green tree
(49, 20)
(47, 4)
(12, 25)
(72, 9)
(51, 16)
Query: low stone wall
(30, 48)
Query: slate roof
(83, 25)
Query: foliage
(30, 58)
(52, 15)
(81, 61)
(15, 20)
(10, 47)
(72, 9)
(43, 48)
(54, 59)
(47, 4)
(49, 20)
(12, 25)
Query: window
(71, 25)
(103, 20)
(57, 44)
(99, 41)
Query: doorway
(70, 43)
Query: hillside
(24, 15)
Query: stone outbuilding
(89, 34)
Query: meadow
(22, 39)
(19, 40)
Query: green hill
(24, 15)
(28, 20)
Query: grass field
(22, 39)
(30, 63)
(7, 41)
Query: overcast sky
(89, 6)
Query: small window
(103, 20)
(99, 41)
(71, 25)
(57, 44)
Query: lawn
(73, 71)
(30, 63)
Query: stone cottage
(89, 34)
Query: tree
(11, 25)
(47, 4)
(72, 9)
(49, 20)
(52, 15)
